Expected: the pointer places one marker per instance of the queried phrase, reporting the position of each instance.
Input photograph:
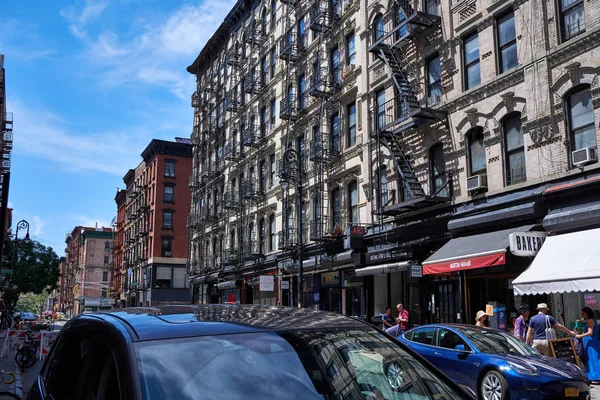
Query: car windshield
(495, 342)
(326, 364)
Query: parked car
(27, 316)
(496, 365)
(233, 352)
(50, 314)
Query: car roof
(163, 322)
(459, 327)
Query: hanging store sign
(267, 283)
(416, 271)
(285, 285)
(473, 262)
(386, 255)
(526, 244)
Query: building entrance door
(446, 301)
(330, 299)
(353, 301)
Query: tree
(36, 269)
(31, 302)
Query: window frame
(272, 228)
(351, 127)
(273, 61)
(168, 240)
(469, 136)
(569, 120)
(351, 56)
(508, 152)
(469, 64)
(501, 46)
(353, 208)
(165, 212)
(431, 86)
(169, 174)
(432, 174)
(563, 12)
(172, 200)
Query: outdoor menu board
(565, 350)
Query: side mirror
(460, 347)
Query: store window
(163, 277)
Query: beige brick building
(415, 123)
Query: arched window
(265, 22)
(438, 171)
(476, 148)
(581, 118)
(514, 149)
(353, 202)
(379, 27)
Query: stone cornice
(573, 47)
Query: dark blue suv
(233, 352)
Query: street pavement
(24, 381)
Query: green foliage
(36, 270)
(31, 302)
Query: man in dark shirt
(388, 320)
(536, 334)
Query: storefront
(263, 289)
(566, 269)
(230, 292)
(469, 272)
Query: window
(350, 49)
(476, 147)
(334, 59)
(264, 77)
(449, 340)
(273, 12)
(232, 238)
(383, 186)
(302, 92)
(353, 201)
(301, 149)
(438, 171)
(423, 336)
(507, 42)
(104, 276)
(273, 61)
(352, 124)
(167, 220)
(301, 34)
(379, 27)
(380, 96)
(472, 74)
(163, 277)
(581, 119)
(106, 246)
(179, 281)
(264, 121)
(334, 136)
(273, 170)
(572, 18)
(336, 208)
(265, 22)
(434, 81)
(168, 195)
(262, 183)
(166, 247)
(273, 113)
(219, 121)
(261, 236)
(431, 7)
(105, 260)
(514, 150)
(272, 232)
(170, 169)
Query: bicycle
(27, 354)
(5, 395)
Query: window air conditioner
(584, 156)
(476, 182)
(167, 254)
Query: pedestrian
(388, 320)
(402, 319)
(591, 344)
(480, 318)
(540, 330)
(520, 325)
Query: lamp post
(290, 160)
(22, 224)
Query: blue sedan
(496, 365)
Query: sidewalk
(8, 364)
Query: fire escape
(393, 40)
(6, 148)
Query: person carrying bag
(541, 330)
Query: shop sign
(386, 255)
(357, 230)
(330, 278)
(285, 285)
(489, 260)
(592, 300)
(526, 244)
(267, 283)
(416, 271)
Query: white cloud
(44, 135)
(36, 227)
(92, 10)
(84, 220)
(14, 33)
(158, 54)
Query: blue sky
(90, 83)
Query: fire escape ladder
(407, 100)
(408, 179)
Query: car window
(423, 336)
(490, 341)
(81, 368)
(449, 339)
(324, 364)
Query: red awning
(467, 262)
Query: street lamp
(291, 160)
(22, 224)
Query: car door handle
(437, 353)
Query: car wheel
(394, 376)
(49, 317)
(493, 386)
